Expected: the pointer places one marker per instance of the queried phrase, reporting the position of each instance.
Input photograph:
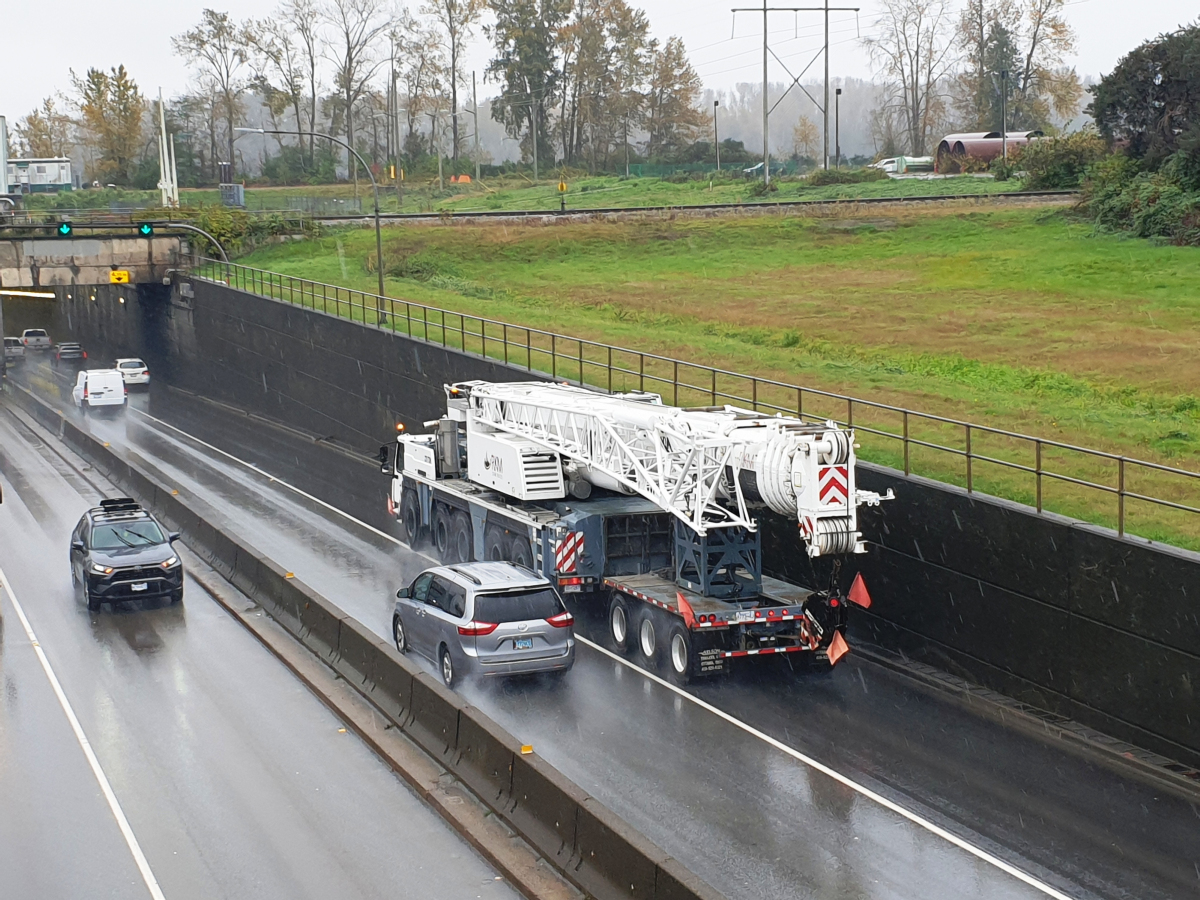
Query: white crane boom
(536, 440)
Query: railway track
(124, 217)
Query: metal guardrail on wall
(917, 442)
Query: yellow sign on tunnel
(118, 276)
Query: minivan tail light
(562, 620)
(477, 629)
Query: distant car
(14, 350)
(484, 618)
(69, 354)
(99, 389)
(133, 371)
(35, 339)
(119, 551)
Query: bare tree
(456, 18)
(276, 58)
(421, 75)
(358, 25)
(913, 53)
(303, 17)
(217, 48)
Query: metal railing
(916, 442)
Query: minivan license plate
(523, 644)
(139, 587)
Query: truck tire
(495, 544)
(619, 624)
(519, 552)
(410, 516)
(647, 638)
(461, 539)
(679, 654)
(440, 532)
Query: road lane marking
(862, 790)
(113, 804)
(865, 791)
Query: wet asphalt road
(748, 817)
(234, 778)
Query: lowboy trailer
(642, 509)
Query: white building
(39, 176)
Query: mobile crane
(643, 508)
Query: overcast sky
(104, 33)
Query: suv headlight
(171, 563)
(101, 570)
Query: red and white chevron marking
(566, 552)
(834, 485)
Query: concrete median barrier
(484, 760)
(595, 849)
(433, 717)
(544, 807)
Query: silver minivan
(484, 618)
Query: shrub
(761, 189)
(822, 177)
(1061, 162)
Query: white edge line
(113, 804)
(865, 791)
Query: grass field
(1018, 319)
(514, 192)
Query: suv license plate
(139, 587)
(523, 644)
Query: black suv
(120, 552)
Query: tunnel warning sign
(118, 276)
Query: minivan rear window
(517, 606)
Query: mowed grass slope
(1019, 319)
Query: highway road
(232, 779)
(933, 801)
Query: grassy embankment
(1018, 319)
(514, 192)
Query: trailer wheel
(618, 623)
(679, 654)
(410, 516)
(520, 552)
(647, 638)
(461, 543)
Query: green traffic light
(64, 229)
(146, 229)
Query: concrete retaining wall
(595, 849)
(1062, 615)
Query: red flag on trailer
(685, 610)
(837, 648)
(858, 592)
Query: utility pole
(533, 120)
(766, 111)
(837, 128)
(475, 113)
(437, 147)
(716, 136)
(764, 9)
(1004, 114)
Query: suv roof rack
(457, 571)
(120, 504)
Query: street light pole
(374, 188)
(837, 127)
(1004, 114)
(716, 136)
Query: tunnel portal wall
(1065, 616)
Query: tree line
(581, 83)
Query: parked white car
(134, 371)
(97, 389)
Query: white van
(97, 389)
